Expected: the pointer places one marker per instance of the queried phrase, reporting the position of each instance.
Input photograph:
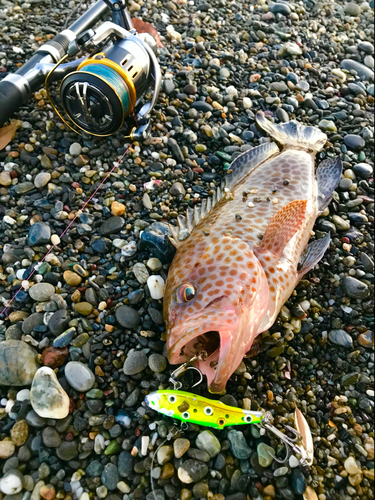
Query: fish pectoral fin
(246, 162)
(283, 227)
(328, 176)
(312, 254)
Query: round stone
(42, 179)
(364, 170)
(355, 288)
(75, 149)
(110, 476)
(354, 142)
(135, 363)
(340, 337)
(68, 450)
(157, 363)
(41, 292)
(177, 189)
(71, 278)
(7, 448)
(351, 466)
(79, 376)
(19, 432)
(128, 317)
(11, 482)
(5, 179)
(192, 471)
(84, 308)
(180, 447)
(51, 437)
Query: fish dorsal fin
(246, 162)
(240, 167)
(283, 227)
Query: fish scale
(239, 261)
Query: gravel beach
(91, 325)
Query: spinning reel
(100, 91)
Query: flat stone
(7, 448)
(192, 471)
(238, 444)
(19, 432)
(42, 179)
(352, 9)
(112, 225)
(59, 322)
(39, 234)
(79, 376)
(354, 142)
(18, 363)
(110, 476)
(340, 337)
(135, 363)
(264, 454)
(47, 397)
(31, 322)
(180, 447)
(68, 450)
(208, 442)
(41, 292)
(364, 170)
(157, 363)
(355, 288)
(128, 317)
(361, 69)
(51, 438)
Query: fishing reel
(100, 91)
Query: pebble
(364, 170)
(180, 447)
(208, 442)
(355, 288)
(238, 444)
(11, 482)
(265, 453)
(19, 433)
(351, 466)
(110, 476)
(39, 234)
(352, 9)
(157, 363)
(156, 286)
(135, 363)
(362, 70)
(7, 448)
(47, 397)
(18, 363)
(79, 376)
(192, 471)
(42, 179)
(340, 337)
(128, 317)
(354, 142)
(41, 292)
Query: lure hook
(183, 369)
(290, 442)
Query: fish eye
(248, 419)
(208, 411)
(184, 293)
(185, 415)
(172, 399)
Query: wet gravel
(93, 313)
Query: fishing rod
(98, 92)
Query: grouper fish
(240, 255)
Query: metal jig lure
(195, 409)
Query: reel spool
(106, 88)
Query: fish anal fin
(312, 254)
(283, 226)
(328, 177)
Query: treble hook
(289, 442)
(183, 369)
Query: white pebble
(154, 264)
(23, 395)
(156, 285)
(145, 443)
(9, 220)
(11, 484)
(55, 240)
(293, 462)
(246, 103)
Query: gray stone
(135, 362)
(79, 376)
(39, 234)
(340, 337)
(208, 442)
(41, 292)
(265, 453)
(157, 363)
(355, 288)
(361, 69)
(31, 322)
(68, 450)
(238, 444)
(110, 476)
(18, 363)
(51, 437)
(112, 225)
(128, 317)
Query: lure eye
(221, 422)
(208, 411)
(172, 399)
(185, 415)
(184, 293)
(248, 419)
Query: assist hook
(183, 369)
(291, 443)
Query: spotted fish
(240, 255)
(198, 410)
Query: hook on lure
(183, 369)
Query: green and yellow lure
(196, 409)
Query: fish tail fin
(293, 134)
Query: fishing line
(79, 212)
